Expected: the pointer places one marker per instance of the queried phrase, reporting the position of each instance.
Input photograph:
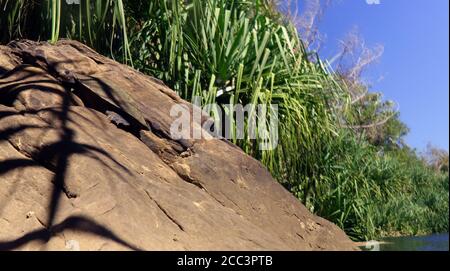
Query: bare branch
(371, 125)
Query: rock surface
(70, 179)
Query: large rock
(71, 179)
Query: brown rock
(70, 179)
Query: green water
(435, 242)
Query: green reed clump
(236, 52)
(421, 204)
(371, 193)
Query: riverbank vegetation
(341, 147)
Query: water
(435, 242)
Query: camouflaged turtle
(118, 105)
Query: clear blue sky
(415, 63)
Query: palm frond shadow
(59, 152)
(79, 223)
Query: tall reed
(101, 24)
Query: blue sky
(415, 63)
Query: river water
(435, 242)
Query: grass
(246, 52)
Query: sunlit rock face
(87, 162)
